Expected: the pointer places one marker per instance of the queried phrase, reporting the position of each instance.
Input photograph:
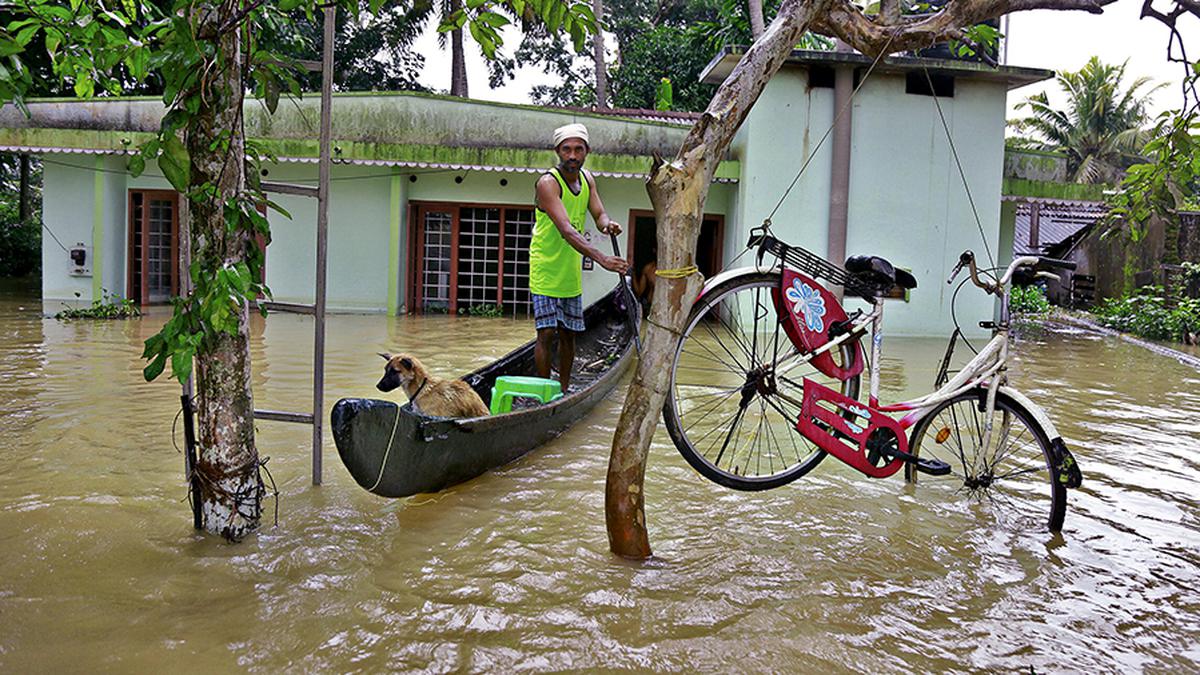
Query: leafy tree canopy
(1101, 128)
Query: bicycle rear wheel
(732, 406)
(1015, 476)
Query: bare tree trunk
(757, 25)
(458, 58)
(678, 190)
(230, 491)
(598, 57)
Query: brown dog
(430, 395)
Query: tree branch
(869, 36)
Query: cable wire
(961, 173)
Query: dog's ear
(406, 363)
(386, 357)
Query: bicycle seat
(876, 271)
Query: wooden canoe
(394, 452)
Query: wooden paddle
(631, 303)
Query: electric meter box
(81, 261)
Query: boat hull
(392, 451)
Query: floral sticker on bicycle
(808, 302)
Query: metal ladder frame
(316, 310)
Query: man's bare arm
(603, 222)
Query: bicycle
(744, 414)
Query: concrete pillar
(839, 190)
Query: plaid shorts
(550, 312)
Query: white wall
(73, 184)
(907, 201)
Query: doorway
(643, 238)
(153, 255)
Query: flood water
(835, 573)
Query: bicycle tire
(705, 312)
(1020, 482)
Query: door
(436, 285)
(153, 274)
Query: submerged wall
(87, 201)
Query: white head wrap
(570, 131)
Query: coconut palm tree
(1100, 129)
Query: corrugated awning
(449, 166)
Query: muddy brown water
(101, 570)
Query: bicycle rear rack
(814, 265)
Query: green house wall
(368, 261)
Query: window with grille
(436, 253)
(469, 256)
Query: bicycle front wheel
(1014, 475)
(736, 386)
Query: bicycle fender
(1068, 468)
(726, 275)
(809, 312)
(1034, 409)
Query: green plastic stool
(509, 387)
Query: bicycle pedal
(933, 467)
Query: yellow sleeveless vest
(555, 268)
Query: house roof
(1057, 223)
(393, 129)
(1011, 76)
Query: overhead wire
(836, 119)
(961, 173)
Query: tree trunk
(757, 25)
(889, 11)
(678, 190)
(598, 57)
(458, 58)
(23, 208)
(230, 491)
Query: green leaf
(8, 46)
(181, 364)
(175, 163)
(137, 165)
(153, 344)
(155, 368)
(493, 19)
(271, 91)
(84, 87)
(26, 34)
(288, 5)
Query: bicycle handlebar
(1038, 263)
(1056, 262)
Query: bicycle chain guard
(851, 431)
(808, 310)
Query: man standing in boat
(564, 196)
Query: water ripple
(511, 571)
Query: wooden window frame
(417, 211)
(171, 196)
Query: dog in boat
(430, 395)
